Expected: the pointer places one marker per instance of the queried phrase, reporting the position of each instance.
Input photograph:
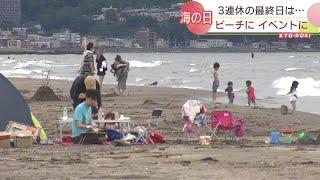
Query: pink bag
(240, 129)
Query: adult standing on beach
(101, 65)
(120, 68)
(87, 66)
(215, 84)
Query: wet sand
(249, 158)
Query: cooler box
(23, 142)
(4, 140)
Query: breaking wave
(140, 64)
(307, 86)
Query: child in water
(215, 84)
(250, 93)
(293, 94)
(230, 92)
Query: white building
(210, 43)
(20, 31)
(117, 42)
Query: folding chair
(153, 124)
(155, 118)
(224, 121)
(141, 132)
(193, 114)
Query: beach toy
(275, 137)
(287, 132)
(288, 139)
(267, 141)
(205, 140)
(287, 136)
(304, 138)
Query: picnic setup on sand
(89, 125)
(88, 122)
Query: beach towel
(190, 109)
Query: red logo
(198, 20)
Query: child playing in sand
(293, 94)
(251, 94)
(215, 83)
(230, 92)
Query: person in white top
(293, 94)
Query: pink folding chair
(224, 121)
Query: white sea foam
(193, 70)
(192, 64)
(307, 86)
(139, 79)
(290, 57)
(16, 71)
(49, 62)
(186, 87)
(41, 63)
(9, 61)
(140, 64)
(292, 69)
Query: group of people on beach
(249, 89)
(86, 95)
(119, 68)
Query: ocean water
(270, 73)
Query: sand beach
(249, 158)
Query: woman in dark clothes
(101, 65)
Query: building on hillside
(279, 44)
(66, 40)
(33, 37)
(160, 43)
(160, 14)
(146, 38)
(5, 33)
(100, 42)
(10, 11)
(86, 39)
(21, 32)
(199, 44)
(4, 42)
(40, 45)
(255, 45)
(119, 43)
(210, 43)
(15, 43)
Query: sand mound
(45, 93)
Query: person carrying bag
(86, 67)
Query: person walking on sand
(293, 95)
(120, 69)
(87, 66)
(101, 65)
(215, 84)
(251, 94)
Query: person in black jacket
(101, 65)
(79, 88)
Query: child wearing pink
(251, 94)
